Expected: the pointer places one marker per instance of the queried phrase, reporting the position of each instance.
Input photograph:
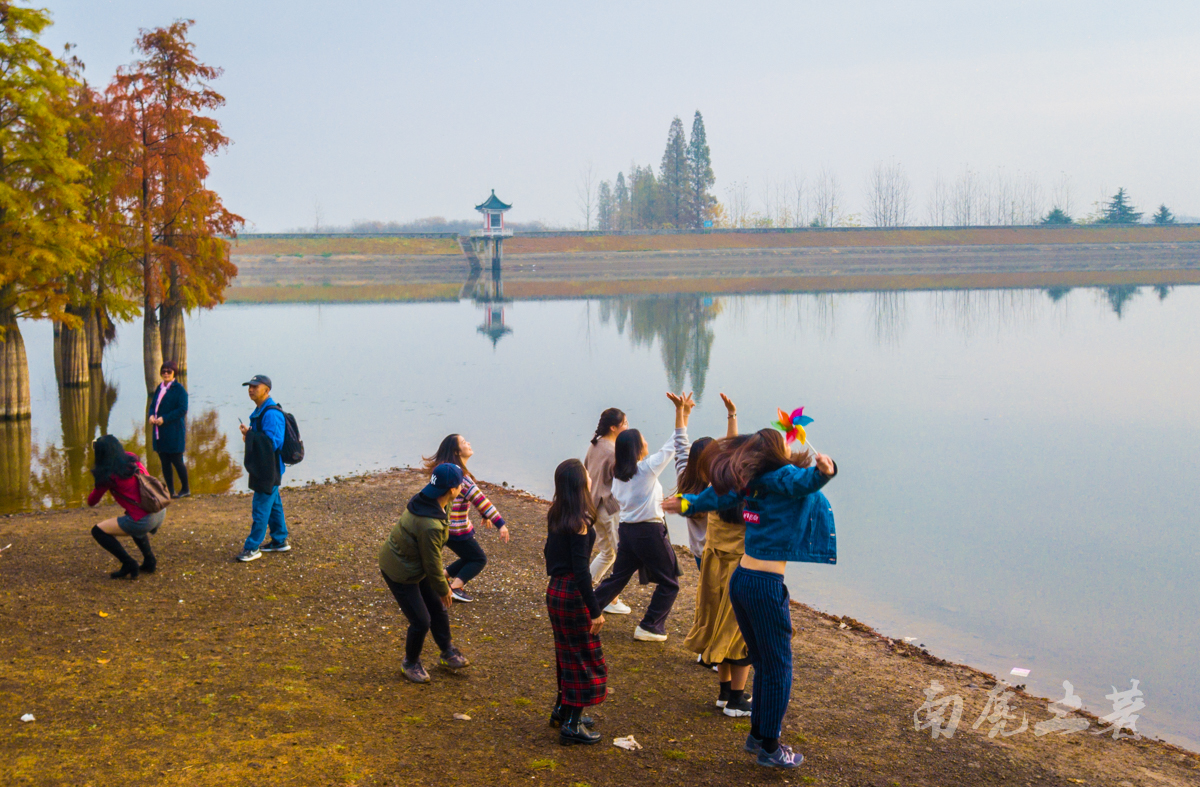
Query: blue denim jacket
(787, 517)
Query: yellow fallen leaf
(103, 661)
(102, 614)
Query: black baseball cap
(446, 476)
(260, 379)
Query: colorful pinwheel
(793, 425)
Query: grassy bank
(308, 247)
(285, 671)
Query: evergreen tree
(1164, 216)
(643, 198)
(700, 200)
(1057, 216)
(621, 203)
(1119, 210)
(604, 207)
(673, 177)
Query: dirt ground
(286, 671)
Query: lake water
(1018, 468)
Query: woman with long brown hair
(787, 519)
(715, 634)
(575, 614)
(455, 450)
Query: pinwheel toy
(793, 425)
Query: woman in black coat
(168, 415)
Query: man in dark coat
(168, 414)
(264, 462)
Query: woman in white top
(643, 544)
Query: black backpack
(292, 452)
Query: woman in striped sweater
(471, 558)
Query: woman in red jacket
(116, 472)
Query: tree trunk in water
(14, 370)
(57, 354)
(16, 464)
(152, 357)
(73, 352)
(74, 405)
(93, 328)
(174, 337)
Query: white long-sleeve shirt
(641, 496)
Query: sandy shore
(286, 671)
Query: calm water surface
(1018, 482)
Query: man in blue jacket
(264, 440)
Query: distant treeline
(429, 224)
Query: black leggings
(425, 612)
(175, 461)
(471, 559)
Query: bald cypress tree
(700, 176)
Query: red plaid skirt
(582, 675)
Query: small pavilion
(493, 233)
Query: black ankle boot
(573, 731)
(129, 566)
(557, 717)
(148, 561)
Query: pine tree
(42, 238)
(673, 177)
(644, 198)
(1057, 216)
(1164, 216)
(700, 200)
(621, 203)
(1120, 211)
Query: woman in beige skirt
(715, 634)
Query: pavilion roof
(492, 203)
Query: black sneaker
(461, 594)
(739, 707)
(184, 493)
(452, 659)
(276, 546)
(249, 554)
(414, 672)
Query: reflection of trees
(1119, 295)
(15, 463)
(63, 476)
(1163, 290)
(680, 324)
(211, 468)
(973, 310)
(1057, 293)
(888, 309)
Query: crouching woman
(411, 562)
(116, 472)
(573, 609)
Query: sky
(394, 111)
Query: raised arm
(730, 416)
(792, 481)
(683, 446)
(658, 461)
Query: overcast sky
(400, 110)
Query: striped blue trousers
(760, 603)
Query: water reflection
(16, 438)
(1118, 296)
(488, 292)
(682, 326)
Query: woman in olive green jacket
(411, 562)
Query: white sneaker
(642, 635)
(617, 607)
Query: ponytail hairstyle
(111, 460)
(744, 458)
(694, 477)
(629, 445)
(447, 452)
(572, 509)
(608, 419)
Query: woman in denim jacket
(787, 519)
